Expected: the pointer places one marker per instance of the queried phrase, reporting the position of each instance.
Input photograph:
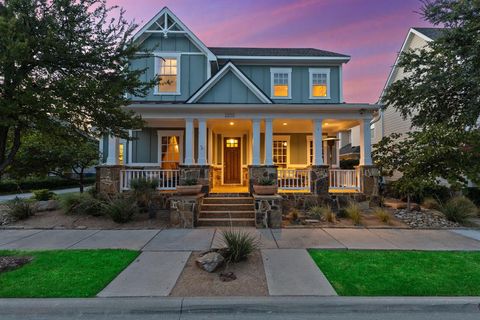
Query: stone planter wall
(257, 173)
(268, 211)
(184, 210)
(200, 173)
(108, 179)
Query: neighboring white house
(389, 120)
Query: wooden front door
(231, 160)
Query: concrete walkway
(202, 239)
(27, 195)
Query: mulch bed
(11, 262)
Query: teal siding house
(229, 116)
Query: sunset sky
(370, 31)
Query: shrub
(33, 183)
(473, 193)
(342, 214)
(20, 209)
(329, 215)
(43, 194)
(266, 182)
(316, 212)
(121, 209)
(431, 203)
(459, 209)
(69, 201)
(382, 215)
(325, 213)
(293, 215)
(354, 213)
(142, 184)
(190, 182)
(239, 245)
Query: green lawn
(400, 273)
(63, 273)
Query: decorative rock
(210, 261)
(429, 219)
(312, 221)
(6, 218)
(227, 276)
(49, 205)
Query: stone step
(222, 222)
(229, 195)
(227, 214)
(228, 200)
(227, 207)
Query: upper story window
(319, 83)
(168, 70)
(281, 79)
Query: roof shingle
(274, 52)
(432, 33)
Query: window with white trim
(280, 151)
(319, 83)
(281, 79)
(168, 69)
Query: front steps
(226, 211)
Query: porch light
(284, 123)
(232, 123)
(285, 143)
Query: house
(389, 120)
(230, 116)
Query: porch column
(188, 142)
(365, 143)
(256, 142)
(202, 142)
(317, 142)
(112, 158)
(268, 142)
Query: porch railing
(345, 179)
(293, 179)
(167, 179)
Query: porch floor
(229, 189)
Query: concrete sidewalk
(202, 239)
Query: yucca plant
(459, 209)
(354, 213)
(121, 209)
(238, 245)
(382, 215)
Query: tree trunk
(80, 176)
(7, 156)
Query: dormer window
(319, 83)
(168, 71)
(281, 79)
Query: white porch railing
(167, 179)
(294, 179)
(345, 179)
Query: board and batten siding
(230, 89)
(193, 66)
(300, 86)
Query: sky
(370, 31)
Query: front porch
(227, 149)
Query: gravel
(428, 219)
(5, 217)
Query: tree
(63, 154)
(440, 93)
(65, 61)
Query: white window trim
(283, 138)
(281, 70)
(158, 57)
(310, 140)
(160, 134)
(312, 71)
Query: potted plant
(265, 186)
(189, 187)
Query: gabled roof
(430, 33)
(274, 52)
(166, 22)
(229, 67)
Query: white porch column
(317, 142)
(365, 143)
(268, 142)
(256, 142)
(112, 158)
(202, 142)
(210, 146)
(189, 141)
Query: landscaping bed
(61, 273)
(250, 279)
(400, 273)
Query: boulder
(49, 205)
(210, 261)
